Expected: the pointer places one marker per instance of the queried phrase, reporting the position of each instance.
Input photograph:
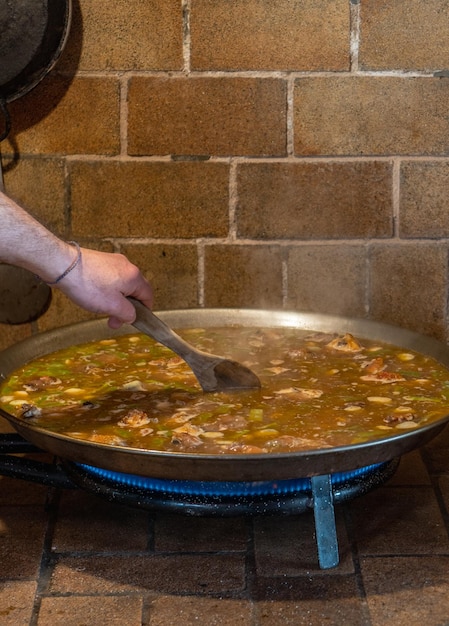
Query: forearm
(97, 281)
(27, 243)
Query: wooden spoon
(214, 373)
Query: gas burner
(209, 490)
(214, 499)
(226, 499)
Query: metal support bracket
(325, 527)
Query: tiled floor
(70, 558)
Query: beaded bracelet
(72, 266)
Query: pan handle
(7, 118)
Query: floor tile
(14, 491)
(411, 591)
(396, 520)
(311, 601)
(16, 602)
(411, 471)
(286, 546)
(202, 574)
(443, 483)
(196, 534)
(91, 611)
(22, 532)
(190, 611)
(89, 523)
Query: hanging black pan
(33, 35)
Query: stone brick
(364, 115)
(29, 492)
(406, 34)
(443, 483)
(408, 590)
(407, 286)
(87, 523)
(137, 199)
(39, 186)
(243, 276)
(211, 611)
(326, 601)
(437, 452)
(201, 574)
(261, 34)
(124, 35)
(172, 271)
(424, 199)
(218, 116)
(411, 472)
(11, 334)
(287, 547)
(327, 279)
(84, 610)
(412, 522)
(201, 534)
(22, 532)
(61, 312)
(16, 602)
(314, 200)
(66, 116)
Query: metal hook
(4, 110)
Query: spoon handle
(147, 322)
(214, 373)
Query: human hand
(100, 283)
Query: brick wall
(250, 153)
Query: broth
(318, 391)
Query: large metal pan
(233, 467)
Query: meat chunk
(288, 442)
(110, 440)
(375, 366)
(42, 382)
(134, 419)
(347, 343)
(30, 411)
(383, 377)
(190, 429)
(399, 417)
(227, 422)
(300, 393)
(184, 441)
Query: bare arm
(98, 283)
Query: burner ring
(223, 499)
(225, 488)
